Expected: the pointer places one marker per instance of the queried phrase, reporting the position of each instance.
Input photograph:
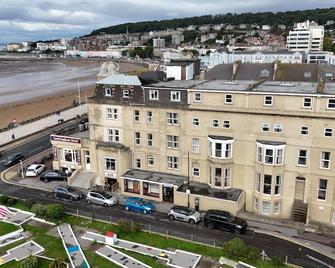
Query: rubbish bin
(60, 121)
(196, 203)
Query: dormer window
(108, 92)
(153, 95)
(175, 96)
(307, 103)
(264, 74)
(125, 93)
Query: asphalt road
(158, 221)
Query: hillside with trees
(287, 18)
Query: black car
(54, 175)
(13, 159)
(67, 192)
(219, 219)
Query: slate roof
(121, 79)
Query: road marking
(36, 149)
(319, 261)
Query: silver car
(184, 214)
(101, 198)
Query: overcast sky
(48, 19)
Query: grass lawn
(42, 263)
(54, 247)
(6, 228)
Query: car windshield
(143, 202)
(31, 169)
(11, 157)
(106, 195)
(231, 218)
(70, 189)
(191, 211)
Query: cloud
(43, 19)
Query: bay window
(270, 154)
(220, 147)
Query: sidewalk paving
(25, 130)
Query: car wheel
(55, 194)
(89, 201)
(46, 180)
(105, 205)
(237, 231)
(144, 211)
(191, 221)
(171, 218)
(71, 198)
(126, 208)
(210, 226)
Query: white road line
(319, 261)
(36, 149)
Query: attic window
(264, 74)
(307, 74)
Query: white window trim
(318, 189)
(113, 140)
(266, 213)
(328, 108)
(275, 149)
(112, 113)
(268, 105)
(175, 93)
(173, 141)
(125, 96)
(108, 94)
(198, 120)
(196, 146)
(105, 164)
(332, 132)
(303, 103)
(195, 99)
(321, 160)
(223, 143)
(225, 99)
(153, 91)
(278, 126)
(218, 121)
(223, 124)
(148, 161)
(193, 171)
(266, 124)
(300, 165)
(279, 207)
(167, 162)
(305, 135)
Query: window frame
(226, 124)
(328, 131)
(150, 159)
(278, 128)
(197, 98)
(150, 139)
(304, 103)
(301, 130)
(264, 125)
(265, 101)
(112, 113)
(195, 145)
(175, 96)
(137, 115)
(172, 143)
(152, 93)
(113, 135)
(215, 121)
(269, 208)
(226, 97)
(172, 162)
(125, 93)
(302, 157)
(172, 119)
(137, 138)
(275, 154)
(195, 121)
(324, 160)
(105, 163)
(226, 150)
(333, 104)
(324, 190)
(195, 174)
(149, 117)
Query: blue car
(139, 205)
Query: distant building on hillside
(224, 56)
(158, 42)
(305, 37)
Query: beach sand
(39, 106)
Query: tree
(328, 44)
(30, 262)
(57, 263)
(55, 211)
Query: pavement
(37, 126)
(286, 245)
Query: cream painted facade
(274, 141)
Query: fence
(150, 228)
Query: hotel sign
(65, 139)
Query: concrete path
(25, 130)
(178, 258)
(21, 252)
(12, 237)
(72, 247)
(120, 258)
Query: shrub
(55, 211)
(57, 263)
(11, 201)
(124, 226)
(3, 199)
(237, 249)
(277, 262)
(39, 209)
(129, 227)
(30, 262)
(29, 203)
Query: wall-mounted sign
(65, 139)
(110, 175)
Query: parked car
(224, 220)
(67, 192)
(35, 170)
(184, 214)
(54, 175)
(101, 198)
(139, 205)
(13, 159)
